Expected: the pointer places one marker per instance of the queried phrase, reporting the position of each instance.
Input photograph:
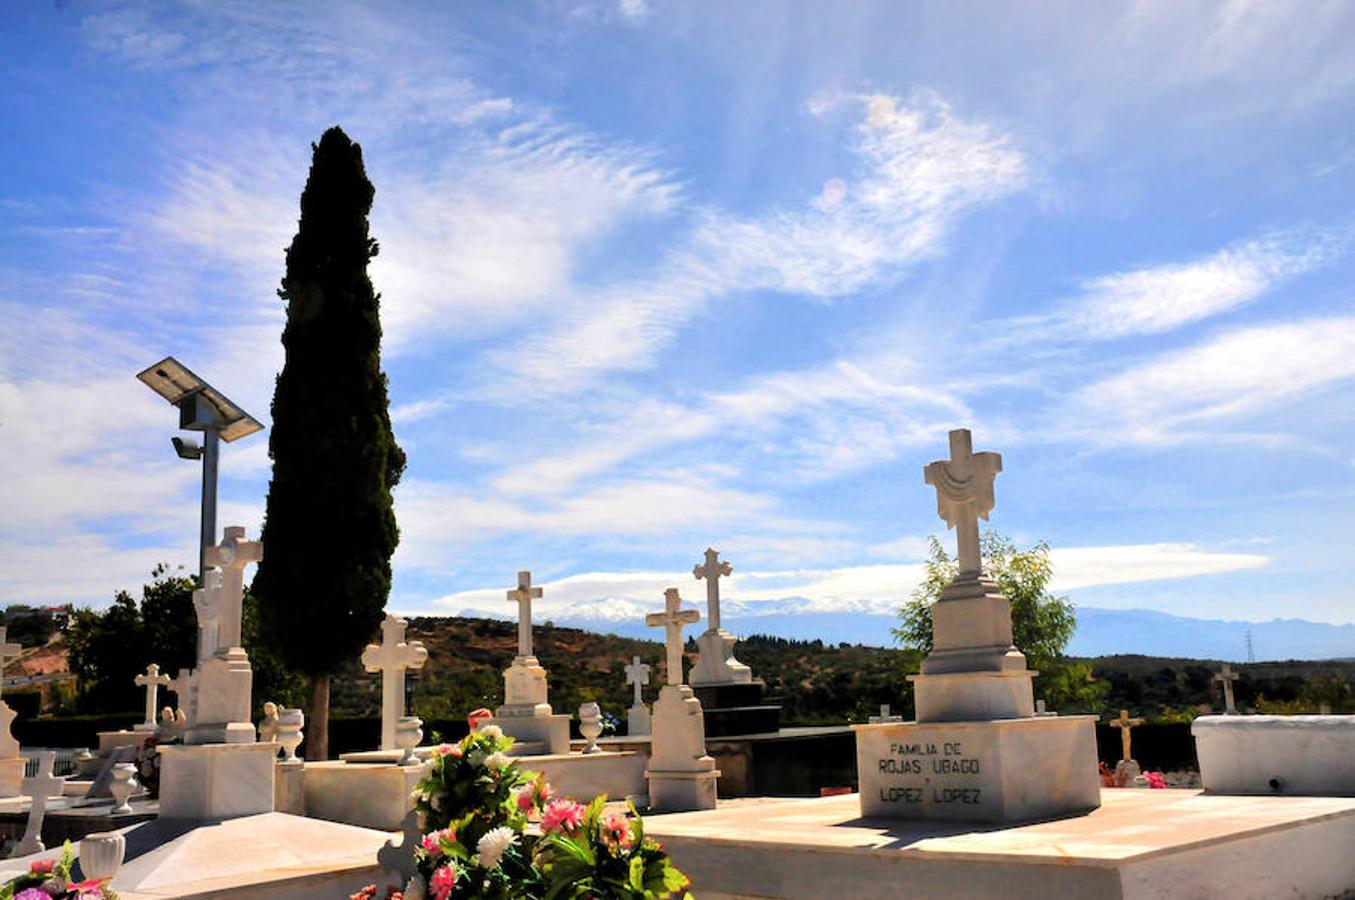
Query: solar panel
(175, 382)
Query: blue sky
(663, 275)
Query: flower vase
(408, 733)
(289, 735)
(101, 854)
(590, 726)
(124, 783)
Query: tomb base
(1003, 771)
(365, 795)
(974, 696)
(222, 733)
(681, 773)
(617, 774)
(216, 781)
(12, 776)
(716, 663)
(1308, 755)
(638, 721)
(682, 791)
(289, 788)
(549, 732)
(112, 740)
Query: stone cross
(637, 673)
(1124, 723)
(207, 604)
(1227, 677)
(964, 494)
(712, 571)
(523, 596)
(231, 556)
(152, 681)
(672, 619)
(391, 658)
(6, 651)
(39, 787)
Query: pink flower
(1155, 780)
(616, 829)
(432, 841)
(526, 799)
(444, 879)
(41, 866)
(561, 815)
(444, 750)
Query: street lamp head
(186, 449)
(201, 406)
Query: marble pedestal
(1309, 755)
(368, 795)
(224, 685)
(638, 721)
(12, 776)
(526, 714)
(681, 773)
(998, 771)
(716, 663)
(216, 781)
(289, 788)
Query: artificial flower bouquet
(50, 879)
(476, 804)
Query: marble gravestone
(731, 698)
(977, 750)
(1226, 678)
(526, 714)
(152, 681)
(11, 763)
(681, 774)
(392, 657)
(638, 718)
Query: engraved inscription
(933, 773)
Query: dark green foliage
(29, 627)
(329, 529)
(1164, 689)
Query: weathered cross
(391, 658)
(207, 604)
(6, 651)
(152, 682)
(523, 596)
(712, 571)
(39, 787)
(672, 619)
(637, 673)
(1124, 723)
(1227, 677)
(964, 494)
(231, 556)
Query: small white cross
(523, 597)
(6, 651)
(711, 571)
(672, 619)
(152, 681)
(964, 494)
(637, 673)
(39, 787)
(1227, 677)
(391, 658)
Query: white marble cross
(391, 658)
(711, 571)
(207, 605)
(6, 651)
(637, 673)
(1124, 723)
(1227, 677)
(152, 682)
(231, 556)
(523, 596)
(672, 619)
(39, 787)
(964, 494)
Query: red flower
(41, 866)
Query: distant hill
(1100, 632)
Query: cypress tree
(329, 527)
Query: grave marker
(1226, 678)
(152, 681)
(392, 657)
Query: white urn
(101, 854)
(124, 783)
(590, 726)
(408, 733)
(289, 735)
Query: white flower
(496, 761)
(415, 889)
(475, 757)
(492, 845)
(493, 731)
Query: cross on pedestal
(207, 605)
(672, 619)
(711, 571)
(231, 556)
(964, 494)
(152, 682)
(637, 673)
(1124, 723)
(523, 596)
(6, 651)
(39, 787)
(1227, 677)
(391, 658)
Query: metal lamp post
(201, 408)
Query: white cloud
(1235, 372)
